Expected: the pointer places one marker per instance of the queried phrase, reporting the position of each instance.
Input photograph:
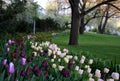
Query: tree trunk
(100, 25)
(74, 23)
(34, 23)
(82, 26)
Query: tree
(76, 16)
(106, 11)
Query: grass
(99, 45)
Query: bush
(94, 30)
(42, 36)
(47, 24)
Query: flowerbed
(25, 60)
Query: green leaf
(2, 76)
(32, 79)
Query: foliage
(42, 36)
(47, 24)
(25, 60)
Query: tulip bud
(10, 68)
(90, 61)
(106, 70)
(115, 75)
(65, 73)
(23, 61)
(7, 49)
(4, 62)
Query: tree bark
(82, 26)
(74, 23)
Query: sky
(41, 2)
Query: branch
(94, 7)
(114, 6)
(66, 8)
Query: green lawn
(100, 46)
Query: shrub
(42, 36)
(47, 24)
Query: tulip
(66, 59)
(23, 61)
(9, 42)
(10, 68)
(89, 70)
(82, 61)
(65, 73)
(77, 68)
(54, 65)
(106, 70)
(29, 59)
(110, 79)
(46, 51)
(44, 63)
(37, 72)
(76, 57)
(22, 54)
(4, 62)
(7, 49)
(97, 73)
(23, 73)
(65, 50)
(70, 64)
(80, 71)
(115, 75)
(46, 74)
(91, 79)
(52, 56)
(41, 54)
(28, 69)
(6, 44)
(90, 61)
(46, 68)
(60, 68)
(16, 55)
(100, 80)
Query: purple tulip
(4, 62)
(46, 51)
(23, 55)
(46, 68)
(23, 73)
(7, 49)
(16, 56)
(23, 61)
(10, 68)
(52, 56)
(28, 71)
(9, 42)
(41, 54)
(70, 64)
(46, 74)
(29, 59)
(6, 44)
(65, 73)
(34, 68)
(44, 63)
(36, 71)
